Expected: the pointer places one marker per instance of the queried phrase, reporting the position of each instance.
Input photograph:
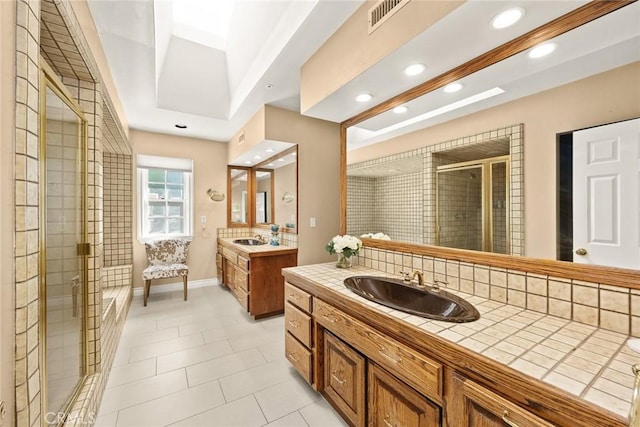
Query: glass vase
(343, 261)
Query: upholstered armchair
(166, 259)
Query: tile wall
(608, 307)
(118, 215)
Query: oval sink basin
(394, 293)
(249, 242)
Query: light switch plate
(312, 222)
(203, 219)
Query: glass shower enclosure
(472, 205)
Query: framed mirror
(591, 80)
(240, 203)
(264, 196)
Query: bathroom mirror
(264, 195)
(591, 80)
(283, 170)
(239, 187)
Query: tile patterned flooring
(205, 362)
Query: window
(165, 199)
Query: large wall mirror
(477, 169)
(267, 192)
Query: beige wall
(209, 171)
(318, 177)
(284, 180)
(600, 99)
(357, 50)
(7, 132)
(81, 9)
(253, 134)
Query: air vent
(241, 138)
(382, 11)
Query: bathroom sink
(395, 293)
(249, 242)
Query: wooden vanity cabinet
(255, 279)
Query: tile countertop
(257, 250)
(588, 362)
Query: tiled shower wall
(391, 204)
(117, 210)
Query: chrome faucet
(437, 284)
(408, 277)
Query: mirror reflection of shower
(472, 205)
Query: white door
(606, 193)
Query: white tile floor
(205, 362)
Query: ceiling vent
(241, 138)
(383, 10)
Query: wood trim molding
(599, 274)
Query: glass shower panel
(64, 266)
(499, 208)
(460, 214)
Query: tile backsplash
(608, 307)
(286, 239)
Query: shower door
(472, 205)
(63, 250)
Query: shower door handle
(581, 251)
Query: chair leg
(184, 281)
(145, 291)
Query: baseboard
(177, 286)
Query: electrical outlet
(203, 219)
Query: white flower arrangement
(379, 236)
(346, 245)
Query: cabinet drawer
(482, 405)
(344, 379)
(297, 297)
(242, 280)
(298, 324)
(299, 356)
(417, 370)
(230, 255)
(243, 263)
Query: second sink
(249, 242)
(394, 293)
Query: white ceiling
(164, 79)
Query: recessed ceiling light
(507, 18)
(270, 164)
(294, 154)
(247, 162)
(453, 87)
(180, 126)
(257, 157)
(400, 109)
(269, 85)
(414, 69)
(364, 97)
(281, 160)
(269, 150)
(542, 50)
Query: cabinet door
(484, 408)
(394, 404)
(344, 379)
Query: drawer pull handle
(507, 421)
(330, 318)
(294, 323)
(393, 359)
(294, 297)
(386, 420)
(336, 376)
(293, 357)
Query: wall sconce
(287, 197)
(215, 195)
